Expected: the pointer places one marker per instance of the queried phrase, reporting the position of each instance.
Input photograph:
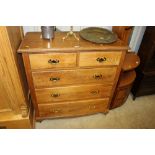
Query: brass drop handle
(54, 79)
(100, 60)
(55, 110)
(94, 92)
(97, 76)
(53, 61)
(55, 95)
(92, 107)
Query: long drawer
(68, 93)
(52, 60)
(99, 58)
(63, 109)
(79, 76)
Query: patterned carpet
(133, 115)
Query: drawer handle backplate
(53, 61)
(97, 76)
(54, 79)
(55, 110)
(100, 60)
(55, 95)
(92, 107)
(94, 92)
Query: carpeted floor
(133, 114)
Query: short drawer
(52, 60)
(64, 109)
(99, 58)
(68, 93)
(80, 76)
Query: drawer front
(99, 58)
(79, 92)
(73, 108)
(52, 60)
(79, 76)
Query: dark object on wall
(145, 81)
(47, 32)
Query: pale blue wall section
(137, 37)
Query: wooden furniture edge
(30, 80)
(117, 78)
(9, 120)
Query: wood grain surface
(45, 79)
(52, 60)
(78, 92)
(78, 71)
(99, 58)
(33, 43)
(76, 108)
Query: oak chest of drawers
(70, 78)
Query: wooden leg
(106, 112)
(2, 127)
(40, 121)
(134, 97)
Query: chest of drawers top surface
(34, 43)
